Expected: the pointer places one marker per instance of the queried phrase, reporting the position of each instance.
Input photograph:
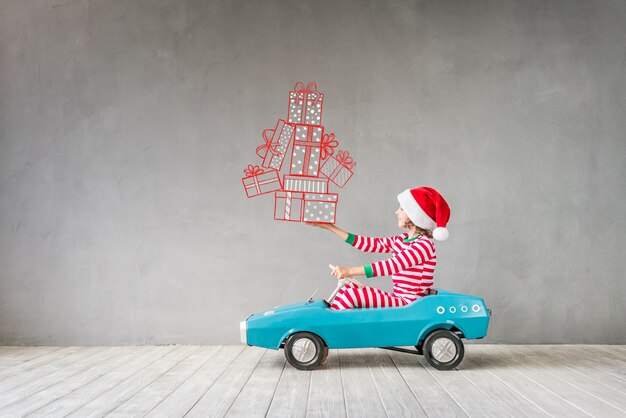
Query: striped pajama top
(411, 267)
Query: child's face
(402, 217)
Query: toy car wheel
(305, 351)
(443, 349)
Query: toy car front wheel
(443, 349)
(305, 351)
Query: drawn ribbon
(329, 143)
(263, 149)
(253, 170)
(343, 157)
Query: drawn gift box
(288, 206)
(258, 181)
(276, 145)
(305, 104)
(308, 207)
(307, 148)
(320, 207)
(338, 168)
(305, 184)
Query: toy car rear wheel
(443, 349)
(305, 350)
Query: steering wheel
(341, 283)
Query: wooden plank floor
(207, 381)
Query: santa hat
(427, 209)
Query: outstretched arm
(332, 228)
(361, 243)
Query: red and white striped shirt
(411, 268)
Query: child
(424, 213)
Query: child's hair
(420, 231)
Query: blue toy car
(434, 324)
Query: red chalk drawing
(299, 150)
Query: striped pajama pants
(351, 296)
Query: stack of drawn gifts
(300, 151)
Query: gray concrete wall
(125, 126)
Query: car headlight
(242, 331)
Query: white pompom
(441, 234)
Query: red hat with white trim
(427, 209)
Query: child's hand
(320, 225)
(340, 272)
